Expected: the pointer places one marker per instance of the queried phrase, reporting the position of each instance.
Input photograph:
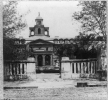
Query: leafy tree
(63, 50)
(12, 25)
(93, 17)
(12, 21)
(84, 47)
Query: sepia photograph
(54, 50)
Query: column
(91, 67)
(81, 67)
(94, 67)
(25, 68)
(88, 67)
(48, 32)
(43, 59)
(75, 68)
(72, 67)
(21, 70)
(29, 32)
(50, 59)
(78, 67)
(84, 69)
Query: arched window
(47, 60)
(46, 33)
(40, 60)
(32, 33)
(39, 31)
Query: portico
(43, 60)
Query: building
(42, 46)
(41, 56)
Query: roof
(39, 18)
(32, 38)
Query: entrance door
(40, 60)
(47, 60)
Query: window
(61, 41)
(56, 41)
(47, 60)
(46, 33)
(39, 31)
(46, 48)
(66, 41)
(32, 33)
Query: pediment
(40, 41)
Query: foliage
(12, 21)
(12, 25)
(12, 51)
(84, 46)
(64, 50)
(93, 20)
(93, 17)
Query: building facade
(41, 46)
(41, 56)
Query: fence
(18, 70)
(77, 68)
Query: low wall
(18, 70)
(76, 68)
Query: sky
(57, 15)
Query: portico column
(21, 70)
(43, 59)
(75, 68)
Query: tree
(84, 47)
(12, 21)
(12, 25)
(63, 50)
(93, 17)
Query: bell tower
(39, 29)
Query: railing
(16, 70)
(78, 67)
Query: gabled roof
(40, 41)
(32, 38)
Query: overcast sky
(57, 15)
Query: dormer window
(66, 41)
(56, 41)
(39, 31)
(61, 41)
